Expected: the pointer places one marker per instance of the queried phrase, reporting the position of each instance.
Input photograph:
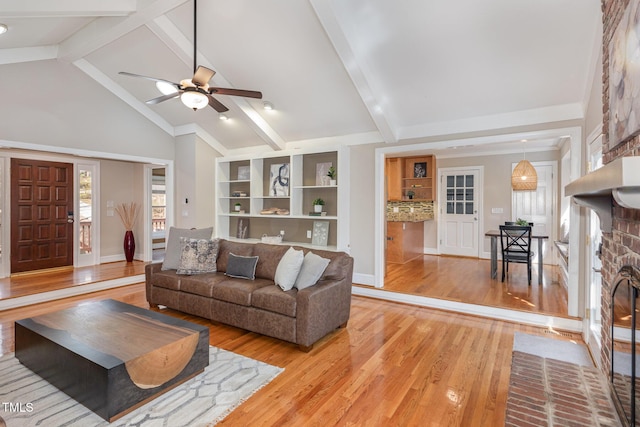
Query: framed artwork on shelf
(624, 76)
(321, 173)
(320, 234)
(279, 180)
(420, 169)
(243, 173)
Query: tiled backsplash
(422, 211)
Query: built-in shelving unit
(304, 173)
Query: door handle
(70, 217)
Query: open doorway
(158, 213)
(496, 154)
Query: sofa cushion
(226, 247)
(198, 256)
(172, 252)
(166, 279)
(272, 298)
(288, 269)
(238, 291)
(241, 267)
(202, 284)
(270, 256)
(311, 270)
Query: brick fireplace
(621, 246)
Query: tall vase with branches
(128, 214)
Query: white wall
(195, 177)
(75, 113)
(120, 182)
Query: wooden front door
(41, 215)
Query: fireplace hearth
(624, 306)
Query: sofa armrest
(149, 270)
(323, 308)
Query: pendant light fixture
(524, 176)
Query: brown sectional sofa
(301, 317)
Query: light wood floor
(394, 364)
(469, 280)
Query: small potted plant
(331, 173)
(522, 222)
(237, 207)
(410, 194)
(317, 205)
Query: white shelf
(234, 181)
(271, 197)
(303, 187)
(235, 197)
(618, 180)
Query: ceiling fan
(195, 92)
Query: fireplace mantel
(618, 180)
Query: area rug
(204, 400)
(550, 348)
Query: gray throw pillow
(312, 268)
(173, 250)
(241, 267)
(198, 256)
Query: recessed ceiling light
(267, 105)
(223, 116)
(3, 28)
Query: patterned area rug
(228, 381)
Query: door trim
(480, 206)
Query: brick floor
(548, 392)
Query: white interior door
(459, 208)
(537, 206)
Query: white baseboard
(364, 279)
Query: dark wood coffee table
(110, 356)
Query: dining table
(495, 234)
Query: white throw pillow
(288, 269)
(312, 268)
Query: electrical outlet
(308, 234)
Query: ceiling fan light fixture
(223, 116)
(194, 99)
(3, 28)
(267, 105)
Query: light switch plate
(497, 210)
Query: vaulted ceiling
(359, 71)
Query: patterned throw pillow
(198, 256)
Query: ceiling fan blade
(162, 98)
(202, 76)
(217, 105)
(124, 73)
(236, 92)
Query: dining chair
(515, 243)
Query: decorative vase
(129, 245)
(333, 182)
(317, 208)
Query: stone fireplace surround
(621, 246)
